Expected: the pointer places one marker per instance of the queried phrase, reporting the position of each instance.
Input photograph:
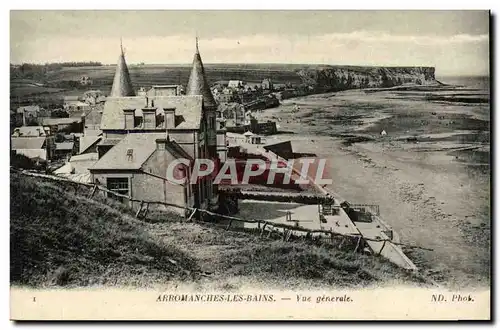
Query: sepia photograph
(250, 164)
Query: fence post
(229, 224)
(146, 210)
(357, 244)
(383, 245)
(92, 192)
(342, 242)
(192, 214)
(139, 210)
(263, 229)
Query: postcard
(250, 165)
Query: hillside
(352, 77)
(61, 239)
(58, 238)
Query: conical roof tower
(122, 85)
(198, 84)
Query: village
(127, 140)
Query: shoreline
(430, 197)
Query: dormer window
(129, 118)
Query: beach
(430, 173)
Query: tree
(59, 137)
(59, 113)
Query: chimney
(83, 122)
(169, 117)
(129, 118)
(130, 154)
(149, 118)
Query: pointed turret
(122, 85)
(198, 84)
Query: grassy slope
(58, 238)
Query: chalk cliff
(334, 78)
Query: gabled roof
(178, 150)
(122, 85)
(187, 108)
(33, 153)
(28, 108)
(88, 141)
(65, 145)
(29, 131)
(60, 121)
(198, 83)
(142, 147)
(27, 142)
(84, 157)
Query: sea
(481, 83)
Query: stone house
(142, 134)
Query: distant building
(77, 168)
(165, 90)
(85, 81)
(67, 124)
(88, 144)
(94, 97)
(33, 147)
(91, 121)
(267, 84)
(234, 114)
(76, 106)
(29, 131)
(27, 115)
(235, 84)
(64, 149)
(279, 87)
(225, 98)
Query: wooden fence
(285, 231)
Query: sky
(455, 42)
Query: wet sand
(435, 193)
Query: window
(118, 185)
(211, 122)
(137, 121)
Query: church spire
(198, 84)
(122, 85)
